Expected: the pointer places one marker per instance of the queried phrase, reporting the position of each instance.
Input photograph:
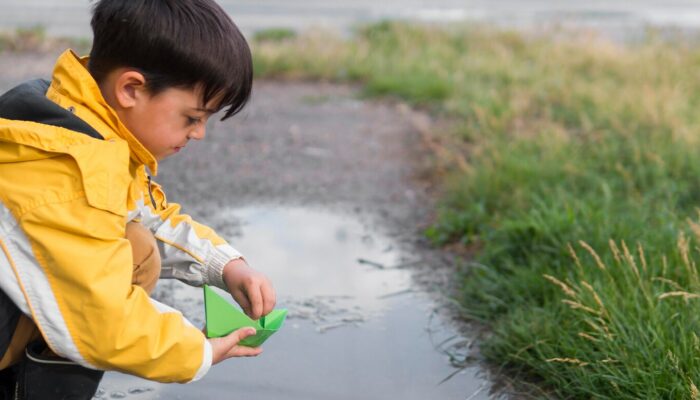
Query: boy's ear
(129, 88)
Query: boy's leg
(25, 331)
(146, 256)
(42, 375)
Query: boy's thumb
(242, 334)
(248, 332)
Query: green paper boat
(223, 318)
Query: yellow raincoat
(65, 199)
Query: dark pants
(7, 383)
(41, 375)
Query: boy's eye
(193, 121)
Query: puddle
(356, 327)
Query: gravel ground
(314, 145)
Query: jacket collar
(73, 86)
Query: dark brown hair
(174, 43)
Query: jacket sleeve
(74, 268)
(190, 251)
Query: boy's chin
(163, 156)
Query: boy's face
(165, 123)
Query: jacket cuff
(206, 362)
(222, 255)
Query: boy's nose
(198, 133)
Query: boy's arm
(195, 254)
(74, 268)
(190, 251)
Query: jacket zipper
(150, 194)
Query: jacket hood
(73, 87)
(28, 102)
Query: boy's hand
(251, 289)
(227, 346)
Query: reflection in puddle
(312, 259)
(356, 326)
(316, 254)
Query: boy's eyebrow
(206, 110)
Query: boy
(83, 230)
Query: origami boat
(223, 318)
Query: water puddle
(357, 327)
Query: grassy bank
(580, 191)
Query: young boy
(83, 230)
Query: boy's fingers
(242, 300)
(235, 350)
(256, 302)
(236, 336)
(228, 346)
(243, 351)
(269, 299)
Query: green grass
(571, 142)
(274, 35)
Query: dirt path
(315, 145)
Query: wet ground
(326, 194)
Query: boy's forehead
(190, 98)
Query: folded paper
(224, 318)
